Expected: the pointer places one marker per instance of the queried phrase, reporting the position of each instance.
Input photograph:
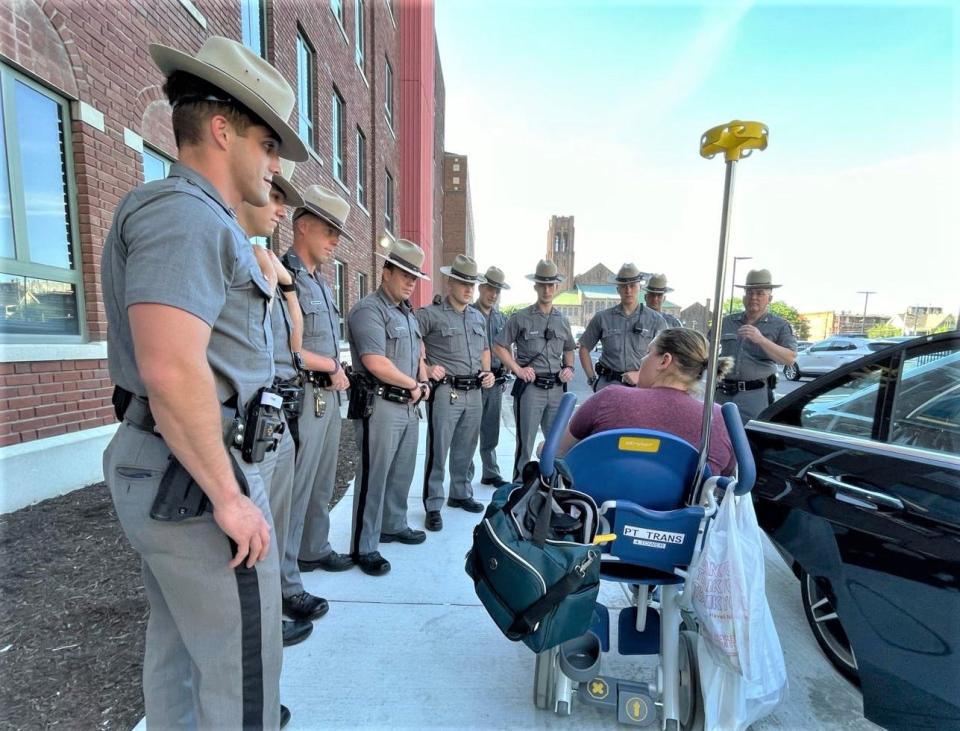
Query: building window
(336, 134)
(252, 26)
(336, 7)
(361, 286)
(156, 166)
(41, 286)
(361, 169)
(388, 92)
(340, 291)
(358, 33)
(305, 88)
(388, 202)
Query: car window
(846, 407)
(820, 347)
(926, 407)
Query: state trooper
(758, 341)
(389, 382)
(486, 304)
(277, 468)
(543, 364)
(318, 226)
(190, 351)
(626, 331)
(457, 355)
(653, 295)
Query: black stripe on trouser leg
(516, 455)
(429, 466)
(294, 426)
(364, 484)
(248, 589)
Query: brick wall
(48, 398)
(457, 214)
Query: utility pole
(866, 298)
(733, 279)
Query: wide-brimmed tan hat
(404, 254)
(464, 269)
(495, 278)
(658, 284)
(282, 181)
(546, 273)
(759, 279)
(244, 77)
(628, 274)
(324, 203)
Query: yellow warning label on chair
(636, 708)
(598, 688)
(639, 444)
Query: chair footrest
(632, 642)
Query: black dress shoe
(333, 561)
(284, 716)
(372, 563)
(434, 520)
(296, 631)
(495, 481)
(467, 503)
(408, 535)
(305, 606)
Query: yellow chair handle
(735, 140)
(604, 538)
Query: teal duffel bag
(533, 562)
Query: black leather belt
(461, 383)
(389, 392)
(608, 373)
(547, 381)
(318, 378)
(138, 414)
(499, 376)
(730, 387)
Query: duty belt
(608, 373)
(461, 383)
(499, 376)
(389, 392)
(318, 378)
(291, 390)
(731, 387)
(546, 381)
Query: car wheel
(792, 372)
(818, 605)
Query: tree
(508, 310)
(884, 331)
(801, 328)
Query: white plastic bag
(742, 673)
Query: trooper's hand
(487, 380)
(751, 333)
(421, 392)
(241, 519)
(526, 374)
(339, 381)
(436, 373)
(566, 374)
(631, 378)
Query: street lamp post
(866, 298)
(733, 279)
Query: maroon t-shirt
(663, 409)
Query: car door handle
(871, 496)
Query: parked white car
(829, 354)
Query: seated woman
(665, 400)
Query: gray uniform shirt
(454, 340)
(494, 323)
(321, 318)
(626, 338)
(749, 361)
(379, 327)
(282, 327)
(671, 320)
(176, 242)
(527, 329)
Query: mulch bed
(73, 613)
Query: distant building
(826, 323)
(923, 321)
(457, 219)
(560, 243)
(591, 292)
(696, 317)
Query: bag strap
(526, 621)
(543, 517)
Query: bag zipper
(516, 556)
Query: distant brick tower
(560, 246)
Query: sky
(594, 108)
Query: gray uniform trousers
(750, 403)
(388, 453)
(603, 382)
(317, 473)
(490, 433)
(213, 648)
(454, 429)
(277, 472)
(536, 407)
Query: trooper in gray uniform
(388, 383)
(625, 330)
(486, 305)
(318, 226)
(458, 364)
(190, 351)
(543, 364)
(654, 293)
(277, 468)
(758, 342)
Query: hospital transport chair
(642, 480)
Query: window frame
(336, 8)
(359, 35)
(388, 107)
(363, 288)
(155, 153)
(389, 202)
(338, 118)
(307, 102)
(20, 265)
(262, 14)
(361, 169)
(340, 295)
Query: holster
(519, 386)
(292, 394)
(263, 426)
(179, 496)
(362, 397)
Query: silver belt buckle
(741, 385)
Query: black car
(858, 486)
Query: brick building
(81, 94)
(457, 211)
(560, 243)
